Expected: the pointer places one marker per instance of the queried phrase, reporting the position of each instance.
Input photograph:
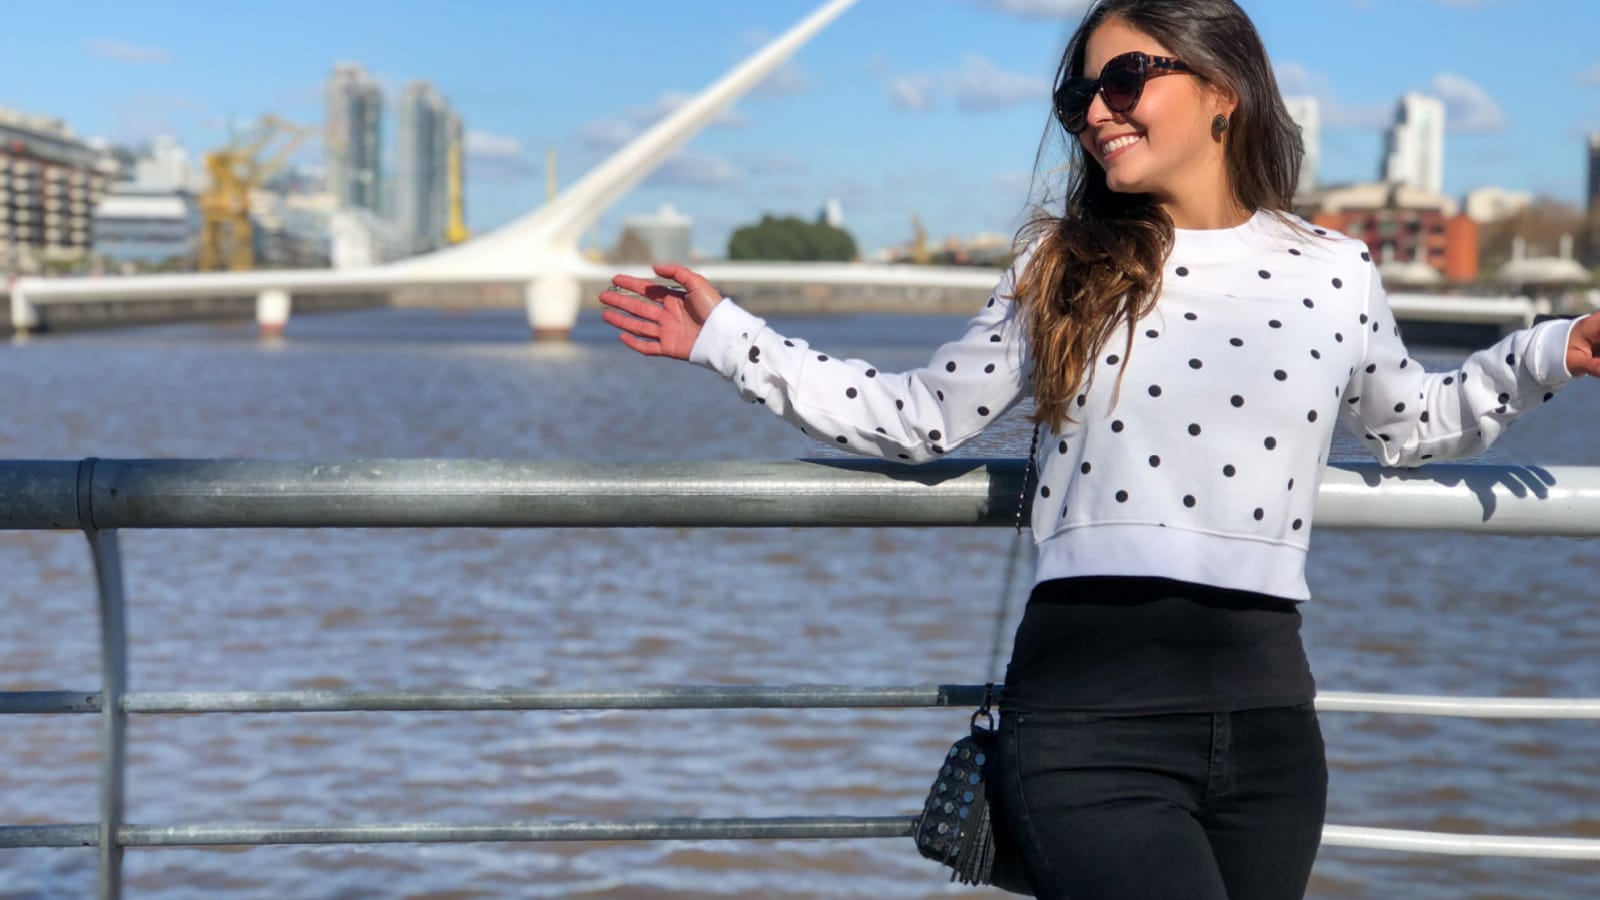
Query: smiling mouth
(1111, 148)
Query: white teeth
(1118, 144)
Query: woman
(1188, 343)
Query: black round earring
(1219, 124)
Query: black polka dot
(935, 435)
(1363, 318)
(1308, 304)
(1353, 401)
(1155, 390)
(1264, 274)
(1291, 484)
(1281, 375)
(1117, 426)
(1194, 429)
(1511, 359)
(1338, 337)
(1084, 468)
(1505, 398)
(1374, 327)
(1311, 416)
(872, 373)
(1152, 334)
(1293, 252)
(1316, 354)
(1195, 364)
(1424, 415)
(1449, 380)
(1237, 401)
(990, 303)
(1083, 401)
(1188, 500)
(940, 395)
(1274, 323)
(1182, 271)
(788, 343)
(1122, 496)
(1260, 514)
(1404, 363)
(1044, 491)
(1372, 367)
(1237, 342)
(1399, 407)
(1155, 462)
(755, 354)
(983, 410)
(1320, 231)
(950, 366)
(1061, 447)
(1296, 525)
(1229, 471)
(994, 338)
(822, 357)
(843, 439)
(1271, 443)
(937, 448)
(850, 392)
(989, 369)
(1365, 256)
(1113, 359)
(899, 404)
(1338, 283)
(1190, 316)
(1548, 396)
(904, 456)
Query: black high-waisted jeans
(1197, 806)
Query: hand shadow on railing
(1519, 481)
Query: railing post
(113, 684)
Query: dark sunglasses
(1121, 82)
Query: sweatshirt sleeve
(1407, 417)
(911, 416)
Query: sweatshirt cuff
(723, 337)
(1549, 356)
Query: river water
(418, 609)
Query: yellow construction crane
(226, 239)
(456, 231)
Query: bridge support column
(552, 307)
(24, 317)
(272, 312)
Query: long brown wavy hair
(1097, 264)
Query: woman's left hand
(1583, 346)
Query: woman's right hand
(668, 320)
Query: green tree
(791, 239)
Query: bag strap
(1012, 561)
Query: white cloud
(694, 170)
(1038, 9)
(123, 51)
(912, 92)
(610, 134)
(776, 164)
(978, 86)
(1294, 78)
(1468, 107)
(497, 156)
(606, 134)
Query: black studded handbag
(956, 826)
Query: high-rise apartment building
(354, 138)
(427, 129)
(50, 183)
(1415, 148)
(1306, 114)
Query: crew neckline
(1240, 238)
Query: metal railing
(99, 497)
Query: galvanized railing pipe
(1557, 500)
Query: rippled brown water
(263, 610)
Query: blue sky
(901, 107)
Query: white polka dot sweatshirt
(1206, 468)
